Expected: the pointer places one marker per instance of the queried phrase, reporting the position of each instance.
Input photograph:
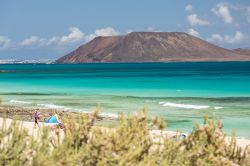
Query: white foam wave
(20, 102)
(217, 107)
(82, 111)
(169, 104)
(52, 106)
(109, 115)
(162, 102)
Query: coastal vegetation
(130, 143)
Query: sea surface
(180, 93)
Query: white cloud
(5, 42)
(33, 40)
(75, 35)
(129, 31)
(217, 38)
(193, 32)
(223, 12)
(240, 8)
(194, 20)
(153, 29)
(189, 8)
(236, 38)
(55, 40)
(109, 31)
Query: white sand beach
(242, 142)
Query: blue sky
(49, 29)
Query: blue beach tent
(52, 119)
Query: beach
(27, 114)
(24, 116)
(125, 83)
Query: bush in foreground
(82, 143)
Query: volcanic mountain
(243, 51)
(150, 47)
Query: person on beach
(36, 117)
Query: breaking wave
(169, 104)
(52, 106)
(20, 102)
(189, 106)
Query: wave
(217, 107)
(169, 104)
(20, 102)
(32, 94)
(109, 115)
(52, 106)
(212, 99)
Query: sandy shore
(27, 113)
(154, 133)
(25, 116)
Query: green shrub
(130, 143)
(14, 145)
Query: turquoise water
(180, 93)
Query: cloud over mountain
(193, 20)
(109, 31)
(236, 38)
(193, 32)
(223, 12)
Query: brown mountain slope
(150, 47)
(243, 51)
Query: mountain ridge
(150, 47)
(243, 51)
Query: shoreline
(25, 116)
(27, 113)
(154, 134)
(126, 62)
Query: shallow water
(180, 93)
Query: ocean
(180, 93)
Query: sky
(49, 29)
